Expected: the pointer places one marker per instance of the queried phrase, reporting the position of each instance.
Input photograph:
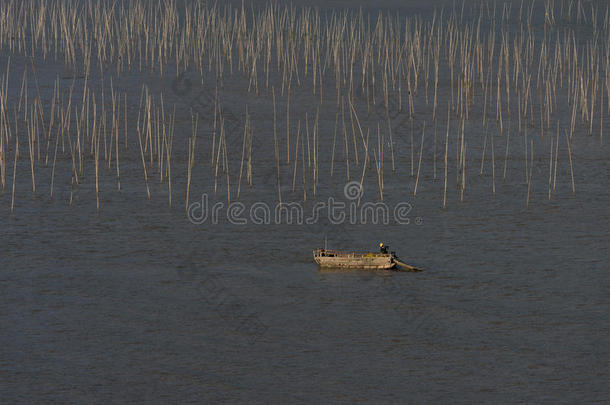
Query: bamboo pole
(421, 152)
(571, 164)
(446, 153)
(15, 171)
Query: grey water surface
(137, 303)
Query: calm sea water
(136, 303)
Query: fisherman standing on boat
(383, 248)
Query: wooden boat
(328, 258)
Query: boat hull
(349, 260)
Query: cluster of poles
(527, 76)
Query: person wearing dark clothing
(383, 248)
